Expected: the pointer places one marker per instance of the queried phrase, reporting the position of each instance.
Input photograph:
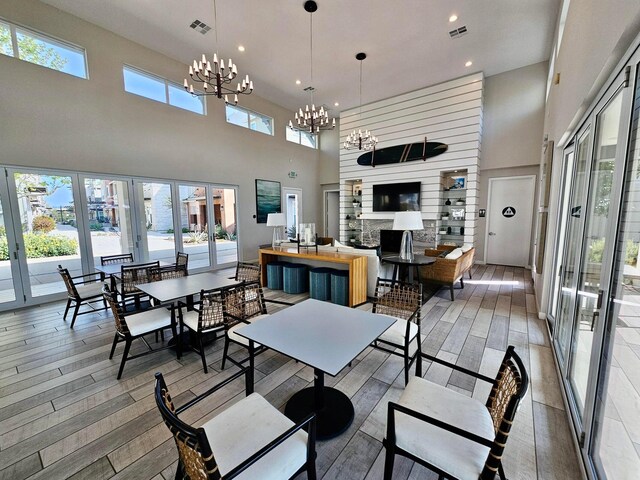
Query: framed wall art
(268, 199)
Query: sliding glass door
(156, 227)
(226, 221)
(194, 224)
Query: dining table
(327, 337)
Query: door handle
(491, 234)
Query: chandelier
(359, 139)
(309, 118)
(214, 76)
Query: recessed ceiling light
(241, 48)
(453, 18)
(298, 82)
(336, 104)
(468, 64)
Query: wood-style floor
(63, 414)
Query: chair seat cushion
(88, 290)
(190, 320)
(148, 321)
(246, 427)
(231, 333)
(453, 454)
(396, 332)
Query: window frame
(250, 112)
(299, 133)
(166, 83)
(47, 38)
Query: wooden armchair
(250, 439)
(450, 433)
(403, 302)
(447, 271)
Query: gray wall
(52, 120)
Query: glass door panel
(292, 204)
(109, 217)
(573, 220)
(194, 224)
(155, 221)
(595, 239)
(10, 285)
(225, 218)
(616, 443)
(48, 224)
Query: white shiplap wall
(450, 113)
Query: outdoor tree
(27, 182)
(31, 50)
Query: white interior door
(510, 215)
(332, 214)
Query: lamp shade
(407, 221)
(276, 220)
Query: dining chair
(167, 272)
(182, 261)
(401, 301)
(133, 275)
(248, 440)
(81, 290)
(116, 259)
(243, 304)
(130, 327)
(247, 272)
(454, 435)
(206, 317)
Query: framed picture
(268, 199)
(458, 183)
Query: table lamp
(407, 221)
(277, 221)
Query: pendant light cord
(311, 51)
(215, 24)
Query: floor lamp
(277, 221)
(407, 221)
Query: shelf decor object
(213, 75)
(407, 221)
(277, 221)
(311, 119)
(307, 236)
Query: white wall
(451, 113)
(50, 119)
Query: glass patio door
(225, 220)
(11, 288)
(156, 225)
(194, 224)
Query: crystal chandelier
(359, 139)
(309, 118)
(214, 76)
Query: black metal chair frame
(75, 298)
(136, 295)
(196, 438)
(116, 259)
(180, 255)
(415, 317)
(232, 319)
(123, 334)
(493, 464)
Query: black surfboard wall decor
(402, 153)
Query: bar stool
(274, 275)
(340, 287)
(294, 276)
(320, 283)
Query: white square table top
(175, 288)
(116, 268)
(320, 334)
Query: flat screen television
(396, 197)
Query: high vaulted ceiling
(407, 41)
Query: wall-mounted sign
(482, 212)
(508, 212)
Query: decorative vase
(448, 202)
(448, 230)
(459, 202)
(461, 230)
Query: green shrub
(38, 245)
(42, 224)
(221, 233)
(170, 230)
(3, 231)
(185, 230)
(96, 227)
(631, 257)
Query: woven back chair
(403, 301)
(247, 272)
(116, 259)
(242, 305)
(478, 429)
(276, 455)
(81, 290)
(207, 317)
(135, 325)
(166, 273)
(182, 261)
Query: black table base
(335, 412)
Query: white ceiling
(407, 41)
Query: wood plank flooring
(63, 414)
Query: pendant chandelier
(309, 118)
(359, 139)
(214, 76)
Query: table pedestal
(334, 410)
